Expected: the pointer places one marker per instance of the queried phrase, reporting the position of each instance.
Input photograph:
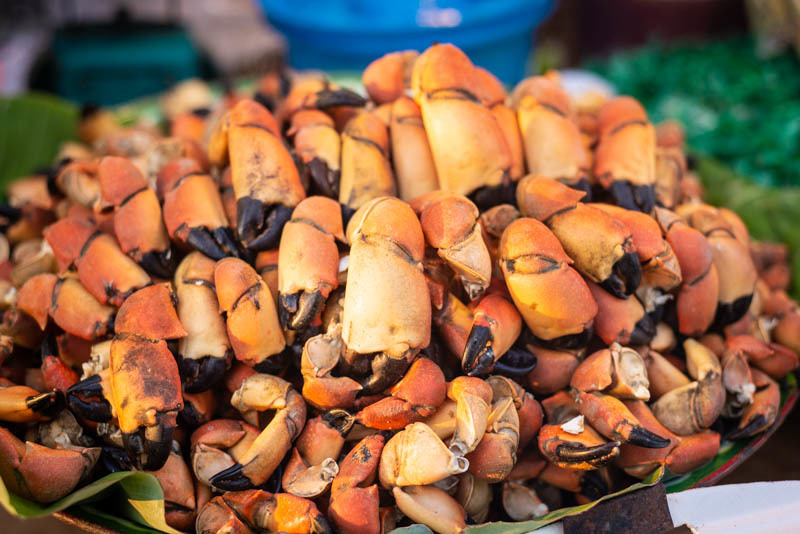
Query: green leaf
(138, 495)
(32, 128)
(522, 527)
(92, 514)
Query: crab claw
(261, 392)
(306, 280)
(695, 406)
(354, 507)
(618, 371)
(496, 326)
(98, 409)
(42, 474)
(568, 442)
(318, 146)
(763, 411)
(387, 78)
(614, 421)
(416, 456)
(432, 507)
(625, 156)
(257, 511)
(21, 404)
(494, 457)
(320, 356)
(205, 352)
(420, 392)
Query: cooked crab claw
(260, 225)
(761, 413)
(21, 404)
(495, 328)
(40, 473)
(614, 421)
(98, 408)
(260, 511)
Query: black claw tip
(568, 342)
(625, 276)
(633, 197)
(341, 420)
(98, 409)
(386, 371)
(145, 454)
(325, 181)
(203, 373)
(487, 197)
(260, 226)
(48, 404)
(593, 486)
(753, 427)
(329, 98)
(516, 362)
(642, 437)
(319, 525)
(643, 332)
(115, 459)
(478, 357)
(159, 263)
(730, 312)
(232, 479)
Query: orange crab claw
(625, 156)
(387, 78)
(495, 328)
(469, 147)
(265, 179)
(252, 319)
(175, 480)
(450, 224)
(411, 154)
(354, 496)
(42, 474)
(553, 369)
(614, 421)
(763, 411)
(568, 442)
(553, 144)
(420, 392)
(610, 260)
(251, 510)
(366, 171)
(193, 210)
(621, 321)
(304, 280)
(699, 290)
(138, 225)
(108, 274)
(552, 298)
(319, 147)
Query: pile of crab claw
(309, 311)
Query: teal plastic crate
(107, 65)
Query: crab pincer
(568, 441)
(259, 393)
(138, 225)
(625, 158)
(496, 325)
(450, 224)
(103, 269)
(23, 404)
(254, 331)
(308, 260)
(318, 146)
(762, 412)
(142, 386)
(469, 148)
(205, 352)
(354, 505)
(386, 250)
(193, 210)
(265, 178)
(598, 384)
(40, 473)
(602, 247)
(552, 139)
(551, 296)
(255, 510)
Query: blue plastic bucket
(348, 34)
